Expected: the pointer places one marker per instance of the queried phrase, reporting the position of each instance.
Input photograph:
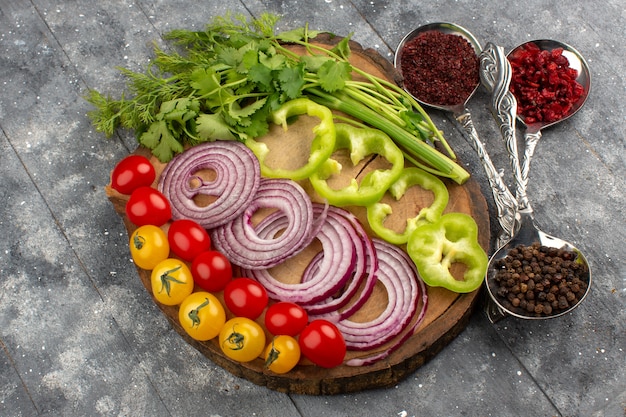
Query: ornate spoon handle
(530, 139)
(495, 73)
(506, 204)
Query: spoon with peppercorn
(550, 81)
(439, 65)
(534, 275)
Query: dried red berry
(543, 83)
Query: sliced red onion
(363, 276)
(236, 183)
(343, 252)
(398, 274)
(240, 241)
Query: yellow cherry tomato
(202, 315)
(242, 339)
(282, 354)
(148, 246)
(171, 281)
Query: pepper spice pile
(539, 281)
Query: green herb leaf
(163, 144)
(296, 35)
(238, 113)
(292, 80)
(314, 62)
(343, 48)
(205, 81)
(333, 75)
(212, 127)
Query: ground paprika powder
(439, 68)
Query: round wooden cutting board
(447, 312)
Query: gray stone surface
(80, 336)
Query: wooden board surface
(447, 312)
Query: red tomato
(322, 343)
(285, 318)
(245, 297)
(188, 239)
(211, 271)
(147, 205)
(132, 172)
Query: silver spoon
(496, 75)
(533, 130)
(506, 204)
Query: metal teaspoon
(506, 204)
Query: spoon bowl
(506, 205)
(527, 235)
(576, 61)
(448, 29)
(533, 130)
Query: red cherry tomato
(147, 205)
(322, 343)
(211, 271)
(132, 172)
(245, 297)
(188, 239)
(285, 318)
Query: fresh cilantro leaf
(258, 125)
(333, 75)
(212, 127)
(296, 35)
(343, 47)
(205, 81)
(292, 80)
(230, 56)
(160, 140)
(237, 112)
(314, 62)
(250, 59)
(273, 62)
(261, 75)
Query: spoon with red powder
(550, 81)
(439, 65)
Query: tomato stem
(193, 314)
(138, 241)
(166, 279)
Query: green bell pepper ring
(452, 239)
(321, 146)
(361, 142)
(378, 212)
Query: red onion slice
(398, 274)
(363, 277)
(240, 241)
(343, 256)
(236, 183)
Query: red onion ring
(399, 276)
(364, 273)
(343, 252)
(236, 183)
(240, 241)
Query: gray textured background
(80, 336)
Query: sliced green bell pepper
(361, 142)
(378, 212)
(435, 247)
(321, 146)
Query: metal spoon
(506, 204)
(496, 75)
(533, 130)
